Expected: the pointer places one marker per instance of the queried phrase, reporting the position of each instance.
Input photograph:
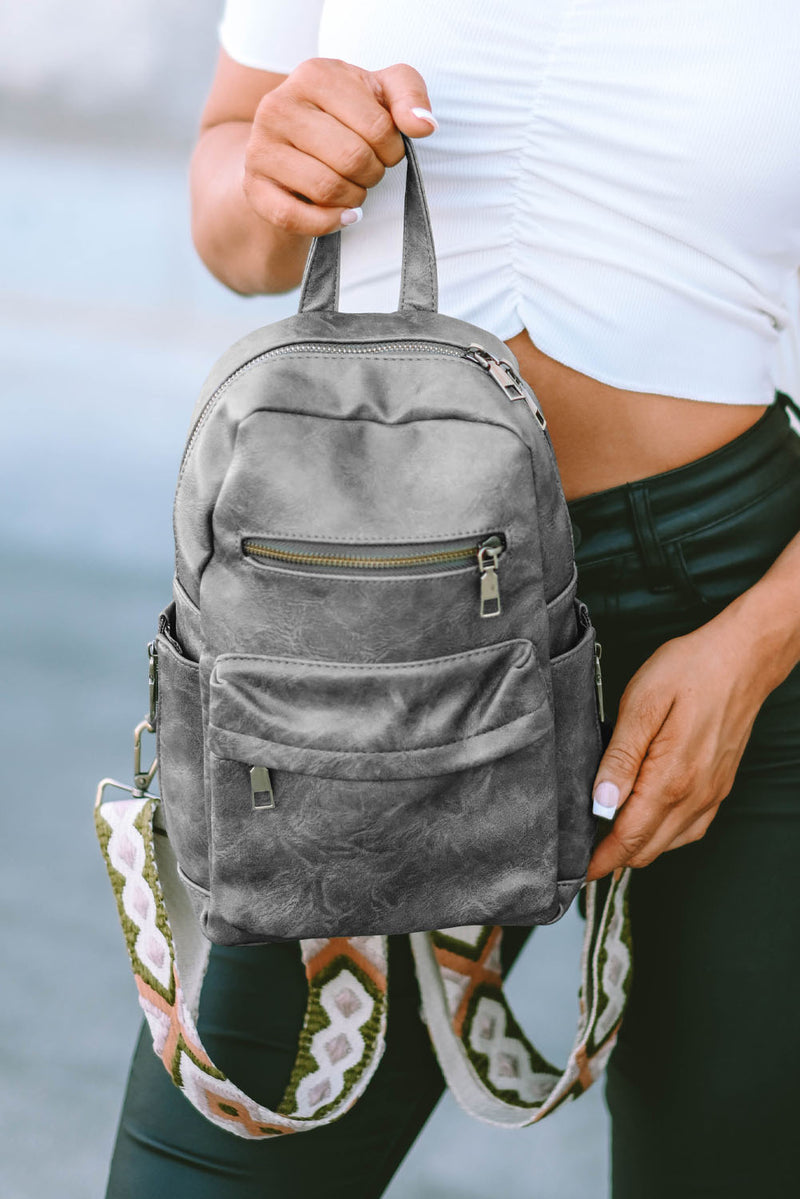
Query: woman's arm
(686, 715)
(282, 158)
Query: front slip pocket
(357, 798)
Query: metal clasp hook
(142, 778)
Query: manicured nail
(425, 114)
(351, 216)
(605, 800)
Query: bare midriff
(604, 436)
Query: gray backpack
(376, 702)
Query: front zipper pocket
(350, 798)
(477, 553)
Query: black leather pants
(703, 1086)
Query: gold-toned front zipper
(344, 561)
(485, 554)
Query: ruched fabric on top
(621, 180)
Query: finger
(345, 151)
(307, 176)
(287, 212)
(641, 716)
(631, 831)
(354, 98)
(404, 93)
(695, 831)
(687, 803)
(285, 120)
(654, 799)
(638, 847)
(667, 800)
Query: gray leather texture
(430, 766)
(418, 283)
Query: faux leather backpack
(375, 695)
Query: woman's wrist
(239, 247)
(763, 623)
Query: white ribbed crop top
(620, 178)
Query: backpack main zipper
(498, 369)
(485, 554)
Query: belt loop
(654, 559)
(790, 407)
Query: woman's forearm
(685, 718)
(245, 252)
(768, 615)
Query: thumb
(619, 766)
(402, 90)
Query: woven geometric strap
(345, 1022)
(493, 1070)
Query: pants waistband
(641, 515)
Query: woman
(620, 202)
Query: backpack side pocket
(179, 740)
(578, 752)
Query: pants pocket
(352, 799)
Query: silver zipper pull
(598, 680)
(152, 681)
(488, 553)
(503, 374)
(261, 788)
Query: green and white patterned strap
(493, 1070)
(344, 1029)
(495, 1073)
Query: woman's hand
(683, 723)
(324, 136)
(282, 158)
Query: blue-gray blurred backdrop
(108, 325)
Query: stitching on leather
(373, 753)
(564, 594)
(424, 663)
(185, 596)
(461, 417)
(421, 538)
(256, 361)
(371, 357)
(204, 891)
(587, 636)
(339, 574)
(178, 655)
(428, 244)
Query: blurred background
(108, 325)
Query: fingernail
(425, 114)
(351, 216)
(605, 800)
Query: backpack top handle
(418, 285)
